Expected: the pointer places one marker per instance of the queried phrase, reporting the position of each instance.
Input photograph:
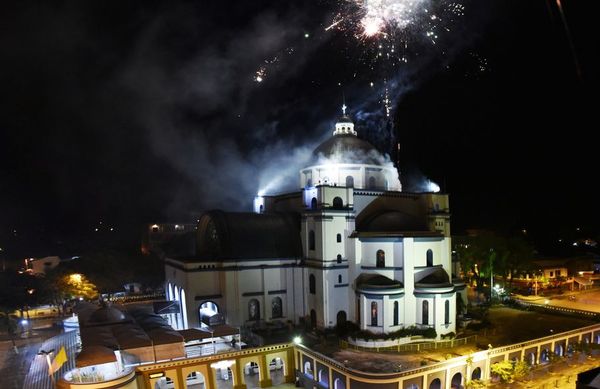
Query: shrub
(508, 371)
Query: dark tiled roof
(376, 281)
(437, 278)
(244, 235)
(391, 220)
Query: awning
(207, 332)
(193, 334)
(222, 330)
(95, 355)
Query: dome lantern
(344, 125)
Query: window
(447, 312)
(262, 208)
(338, 203)
(374, 314)
(425, 318)
(339, 238)
(350, 182)
(276, 307)
(339, 279)
(312, 284)
(558, 273)
(396, 313)
(551, 274)
(339, 258)
(309, 182)
(372, 182)
(311, 240)
(429, 258)
(253, 309)
(380, 258)
(313, 203)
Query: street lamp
(50, 372)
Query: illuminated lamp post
(50, 372)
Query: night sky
(135, 112)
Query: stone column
(181, 378)
(211, 379)
(265, 379)
(290, 366)
(237, 373)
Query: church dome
(347, 148)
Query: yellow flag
(59, 360)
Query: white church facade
(350, 245)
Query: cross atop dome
(344, 125)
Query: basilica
(349, 245)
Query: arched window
(339, 279)
(374, 314)
(425, 318)
(261, 209)
(349, 181)
(447, 312)
(312, 284)
(429, 258)
(372, 182)
(311, 240)
(339, 238)
(338, 203)
(339, 258)
(276, 308)
(380, 258)
(184, 309)
(313, 203)
(396, 313)
(253, 310)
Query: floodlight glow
(298, 340)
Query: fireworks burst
(260, 74)
(387, 14)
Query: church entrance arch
(207, 309)
(341, 318)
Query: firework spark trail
(334, 24)
(569, 38)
